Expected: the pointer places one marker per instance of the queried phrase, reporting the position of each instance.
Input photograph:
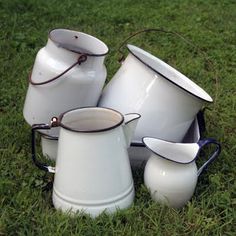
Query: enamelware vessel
(171, 173)
(92, 172)
(68, 72)
(167, 100)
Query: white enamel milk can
(167, 100)
(68, 72)
(171, 173)
(92, 172)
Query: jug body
(167, 100)
(68, 72)
(170, 183)
(92, 172)
(171, 173)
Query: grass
(27, 210)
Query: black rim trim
(78, 52)
(138, 116)
(165, 76)
(90, 131)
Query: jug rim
(76, 36)
(177, 143)
(206, 97)
(59, 121)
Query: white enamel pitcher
(171, 173)
(92, 172)
(68, 72)
(166, 99)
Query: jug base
(93, 209)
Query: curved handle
(40, 165)
(203, 143)
(151, 30)
(82, 58)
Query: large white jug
(166, 99)
(68, 72)
(92, 172)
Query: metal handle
(151, 30)
(35, 127)
(203, 143)
(82, 58)
(187, 41)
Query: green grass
(27, 210)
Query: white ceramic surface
(81, 86)
(93, 171)
(166, 99)
(171, 173)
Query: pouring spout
(130, 124)
(182, 153)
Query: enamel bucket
(167, 100)
(68, 72)
(92, 172)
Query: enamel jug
(171, 173)
(69, 72)
(92, 172)
(166, 99)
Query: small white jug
(69, 72)
(171, 173)
(92, 172)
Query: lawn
(25, 206)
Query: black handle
(40, 165)
(205, 142)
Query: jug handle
(204, 142)
(34, 128)
(82, 58)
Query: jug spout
(182, 153)
(130, 124)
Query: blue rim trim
(201, 144)
(164, 156)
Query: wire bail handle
(82, 58)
